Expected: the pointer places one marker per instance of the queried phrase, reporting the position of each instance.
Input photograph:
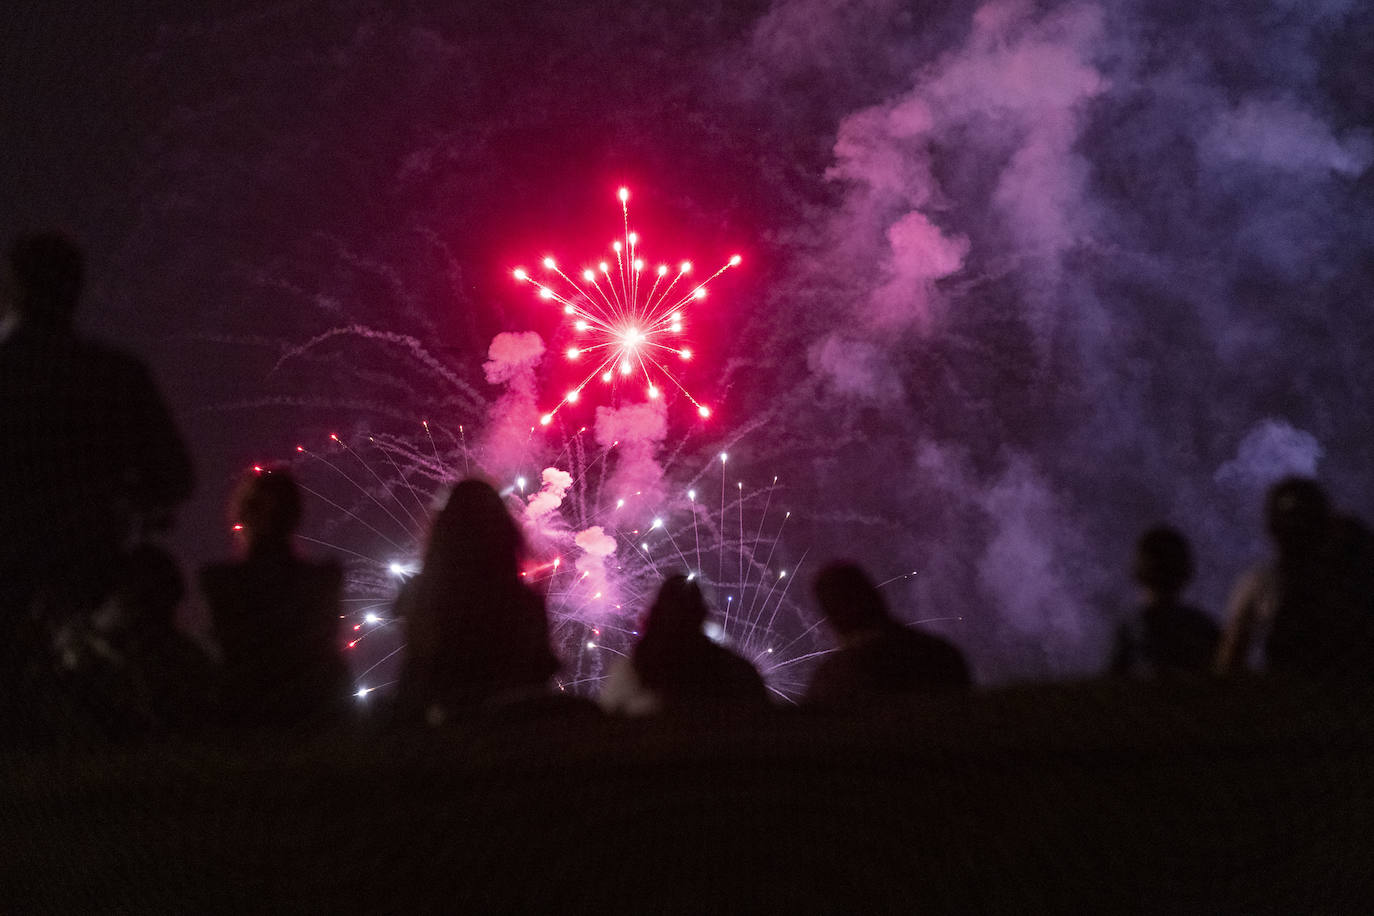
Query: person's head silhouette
(849, 599)
(669, 654)
(268, 506)
(678, 611)
(46, 271)
(1298, 514)
(1163, 562)
(475, 534)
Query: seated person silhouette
(90, 455)
(476, 634)
(1165, 636)
(276, 615)
(675, 667)
(172, 675)
(878, 658)
(1309, 611)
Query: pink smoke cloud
(1020, 84)
(597, 547)
(512, 360)
(637, 431)
(513, 355)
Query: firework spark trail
(720, 564)
(673, 541)
(410, 344)
(361, 405)
(795, 570)
(332, 546)
(740, 580)
(375, 665)
(400, 476)
(353, 515)
(696, 531)
(433, 447)
(623, 329)
(438, 474)
(752, 622)
(385, 489)
(390, 489)
(759, 534)
(896, 578)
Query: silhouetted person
(276, 615)
(1165, 636)
(675, 666)
(89, 453)
(878, 658)
(475, 633)
(1310, 611)
(171, 677)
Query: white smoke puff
(550, 497)
(595, 542)
(512, 353)
(637, 432)
(1270, 450)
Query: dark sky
(1022, 278)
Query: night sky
(1020, 279)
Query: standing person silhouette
(475, 633)
(90, 454)
(276, 615)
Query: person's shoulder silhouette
(275, 614)
(878, 657)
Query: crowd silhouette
(95, 468)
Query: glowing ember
(622, 325)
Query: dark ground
(1250, 797)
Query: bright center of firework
(630, 315)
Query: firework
(598, 557)
(628, 317)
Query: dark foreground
(1236, 798)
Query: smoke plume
(512, 360)
(1079, 255)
